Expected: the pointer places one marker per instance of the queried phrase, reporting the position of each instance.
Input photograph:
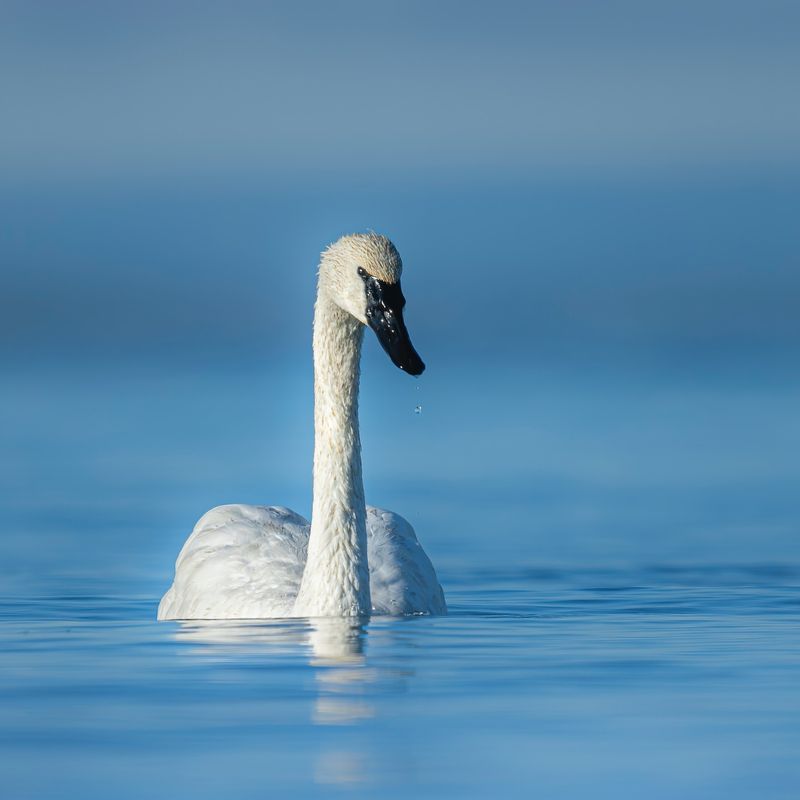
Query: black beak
(385, 303)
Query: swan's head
(361, 274)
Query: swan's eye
(362, 272)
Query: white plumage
(246, 561)
(256, 562)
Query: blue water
(665, 683)
(618, 547)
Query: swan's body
(247, 561)
(257, 561)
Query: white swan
(266, 561)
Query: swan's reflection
(336, 651)
(333, 642)
(237, 636)
(343, 677)
(346, 684)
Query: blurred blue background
(597, 207)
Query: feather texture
(245, 561)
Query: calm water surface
(624, 586)
(661, 683)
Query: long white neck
(336, 578)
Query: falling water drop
(418, 410)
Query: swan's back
(246, 562)
(241, 562)
(402, 579)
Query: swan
(258, 562)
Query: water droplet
(418, 410)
